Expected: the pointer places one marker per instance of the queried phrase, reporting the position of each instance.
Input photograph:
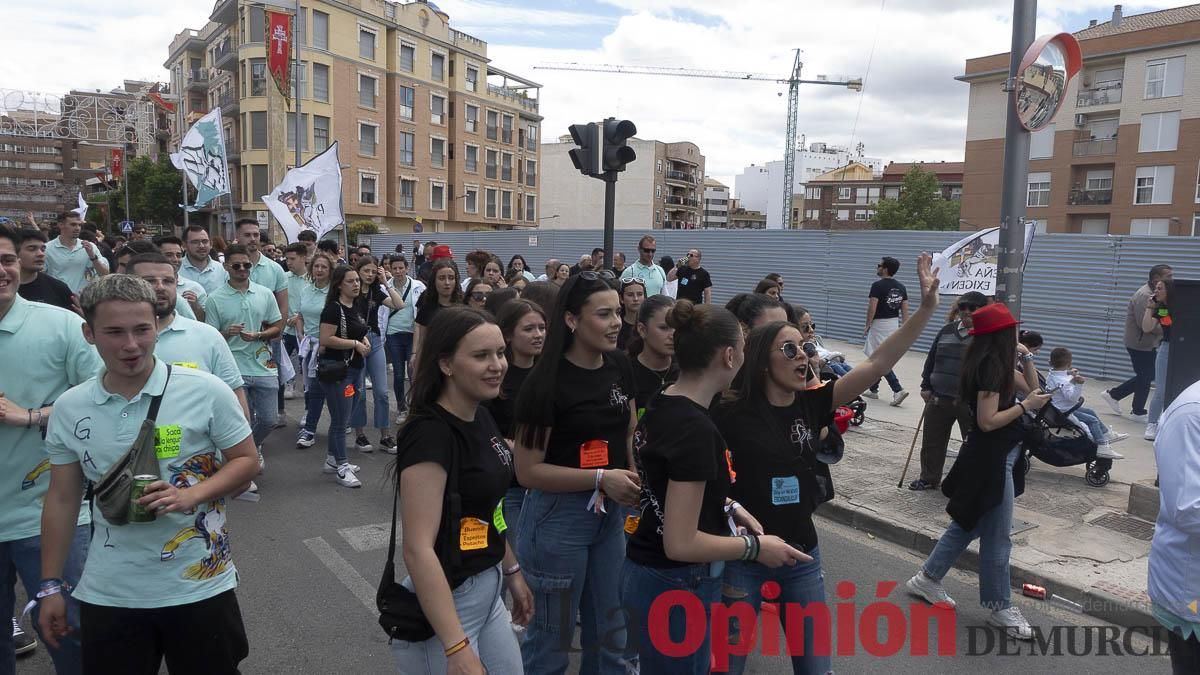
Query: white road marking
(372, 537)
(344, 571)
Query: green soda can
(137, 512)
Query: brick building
(845, 198)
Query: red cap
(992, 318)
(441, 251)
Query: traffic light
(587, 156)
(617, 152)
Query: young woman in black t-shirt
(343, 337)
(652, 351)
(774, 431)
(574, 421)
(445, 291)
(462, 366)
(687, 528)
(374, 292)
(633, 294)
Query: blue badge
(683, 281)
(785, 490)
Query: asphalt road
(310, 554)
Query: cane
(911, 448)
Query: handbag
(113, 491)
(400, 612)
(334, 370)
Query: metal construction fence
(1076, 286)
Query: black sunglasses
(649, 250)
(240, 266)
(479, 296)
(968, 306)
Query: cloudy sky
(907, 51)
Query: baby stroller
(1054, 439)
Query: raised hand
(928, 278)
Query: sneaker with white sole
(1143, 418)
(262, 461)
(1151, 431)
(280, 421)
(289, 392)
(1112, 403)
(871, 394)
(931, 591)
(1013, 623)
(368, 385)
(1105, 451)
(387, 445)
(306, 439)
(251, 493)
(346, 477)
(23, 642)
(1115, 437)
(898, 398)
(363, 444)
(331, 465)
(401, 416)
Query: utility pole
(1011, 253)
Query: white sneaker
(1144, 418)
(367, 386)
(953, 452)
(346, 477)
(931, 591)
(898, 398)
(262, 461)
(401, 416)
(1104, 451)
(332, 466)
(1151, 431)
(280, 421)
(1115, 437)
(1113, 403)
(251, 493)
(871, 394)
(289, 392)
(1013, 623)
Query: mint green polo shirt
(190, 344)
(47, 355)
(252, 308)
(312, 302)
(178, 558)
(267, 272)
(211, 277)
(189, 285)
(295, 286)
(182, 308)
(68, 265)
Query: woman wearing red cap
(987, 475)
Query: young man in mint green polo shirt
(154, 588)
(248, 316)
(70, 259)
(266, 272)
(296, 256)
(46, 356)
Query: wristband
(512, 570)
(596, 503)
(749, 546)
(1022, 404)
(29, 421)
(458, 646)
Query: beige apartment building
(432, 137)
(1123, 154)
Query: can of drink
(137, 512)
(1034, 591)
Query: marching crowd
(582, 441)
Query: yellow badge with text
(472, 534)
(167, 439)
(187, 364)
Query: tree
(154, 193)
(361, 227)
(920, 206)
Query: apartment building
(760, 187)
(661, 189)
(1123, 154)
(743, 219)
(716, 204)
(32, 179)
(845, 198)
(432, 136)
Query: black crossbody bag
(334, 370)
(113, 491)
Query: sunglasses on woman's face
(808, 326)
(478, 296)
(968, 306)
(791, 350)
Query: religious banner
(969, 264)
(310, 196)
(279, 51)
(115, 160)
(202, 158)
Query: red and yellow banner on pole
(116, 162)
(279, 51)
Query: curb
(1093, 601)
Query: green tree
(920, 206)
(154, 193)
(361, 227)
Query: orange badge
(472, 534)
(631, 524)
(729, 463)
(348, 392)
(593, 455)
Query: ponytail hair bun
(685, 317)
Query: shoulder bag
(113, 491)
(334, 370)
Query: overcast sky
(907, 52)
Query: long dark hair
(511, 315)
(700, 332)
(499, 298)
(751, 382)
(509, 270)
(534, 413)
(988, 365)
(747, 307)
(541, 293)
(335, 284)
(650, 306)
(430, 297)
(765, 285)
(471, 287)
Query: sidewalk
(1073, 539)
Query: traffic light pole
(610, 211)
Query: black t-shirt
(368, 305)
(425, 314)
(647, 383)
(891, 295)
(692, 283)
(628, 330)
(46, 289)
(591, 410)
(777, 476)
(484, 472)
(356, 329)
(502, 406)
(677, 441)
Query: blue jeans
(314, 395)
(641, 588)
(262, 396)
(399, 350)
(23, 558)
(1095, 427)
(892, 380)
(513, 500)
(993, 531)
(800, 585)
(1160, 382)
(570, 557)
(479, 602)
(375, 365)
(339, 411)
(1144, 363)
(840, 369)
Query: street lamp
(124, 171)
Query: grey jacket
(1136, 338)
(943, 364)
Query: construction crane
(793, 82)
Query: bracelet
(458, 646)
(746, 542)
(29, 422)
(1022, 404)
(755, 547)
(731, 507)
(512, 570)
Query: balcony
(515, 96)
(1089, 197)
(197, 79)
(681, 176)
(232, 150)
(224, 54)
(679, 200)
(229, 102)
(1104, 94)
(1095, 147)
(469, 43)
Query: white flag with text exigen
(310, 196)
(969, 264)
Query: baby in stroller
(1066, 383)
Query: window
(366, 188)
(530, 173)
(506, 166)
(408, 192)
(812, 214)
(258, 180)
(437, 109)
(891, 193)
(1039, 226)
(320, 82)
(1198, 187)
(406, 148)
(471, 159)
(471, 199)
(320, 38)
(1153, 227)
(320, 133)
(843, 194)
(472, 118)
(472, 78)
(956, 192)
(1164, 77)
(491, 158)
(863, 216)
(812, 193)
(1094, 226)
(1159, 132)
(1153, 184)
(258, 25)
(493, 121)
(489, 203)
(1039, 189)
(843, 214)
(530, 208)
(368, 138)
(506, 128)
(408, 56)
(300, 80)
(291, 131)
(658, 191)
(437, 66)
(258, 131)
(1099, 179)
(258, 77)
(407, 99)
(437, 152)
(1041, 143)
(47, 183)
(1196, 224)
(366, 44)
(437, 196)
(531, 137)
(506, 204)
(368, 88)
